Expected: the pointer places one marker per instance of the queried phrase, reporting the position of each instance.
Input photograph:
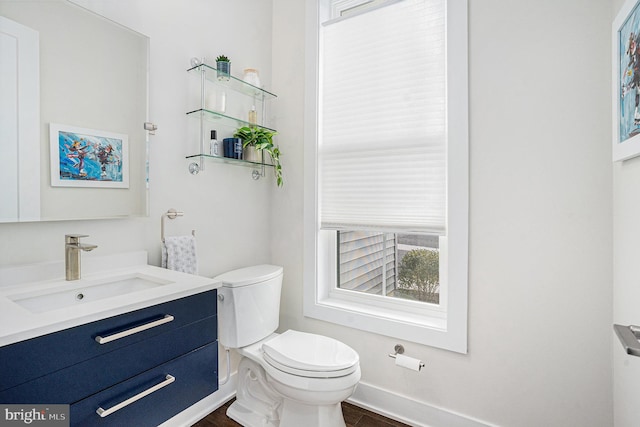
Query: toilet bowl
(292, 392)
(291, 379)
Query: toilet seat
(310, 355)
(308, 374)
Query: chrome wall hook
(151, 127)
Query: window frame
(444, 325)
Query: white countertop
(18, 324)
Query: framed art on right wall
(626, 82)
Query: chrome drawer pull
(106, 412)
(166, 319)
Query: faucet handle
(74, 238)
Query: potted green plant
(261, 139)
(223, 65)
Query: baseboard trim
(407, 410)
(204, 407)
(367, 396)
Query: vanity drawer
(178, 384)
(31, 359)
(76, 382)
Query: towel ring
(171, 214)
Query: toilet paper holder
(399, 349)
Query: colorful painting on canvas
(88, 158)
(629, 83)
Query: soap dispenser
(253, 115)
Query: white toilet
(293, 379)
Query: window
(386, 168)
(394, 265)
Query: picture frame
(626, 82)
(82, 157)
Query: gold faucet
(72, 248)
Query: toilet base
(261, 402)
(257, 404)
(246, 417)
(296, 414)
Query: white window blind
(382, 134)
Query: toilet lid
(249, 275)
(309, 352)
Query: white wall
(626, 292)
(228, 210)
(540, 242)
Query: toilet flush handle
(220, 297)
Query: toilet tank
(248, 304)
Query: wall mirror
(73, 100)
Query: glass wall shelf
(207, 73)
(231, 161)
(213, 116)
(234, 83)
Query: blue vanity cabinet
(176, 385)
(139, 351)
(58, 350)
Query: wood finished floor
(353, 417)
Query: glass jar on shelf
(216, 101)
(252, 77)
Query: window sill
(387, 314)
(426, 330)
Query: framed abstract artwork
(626, 82)
(88, 158)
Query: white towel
(179, 254)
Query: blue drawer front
(195, 378)
(76, 382)
(30, 359)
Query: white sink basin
(35, 299)
(66, 294)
